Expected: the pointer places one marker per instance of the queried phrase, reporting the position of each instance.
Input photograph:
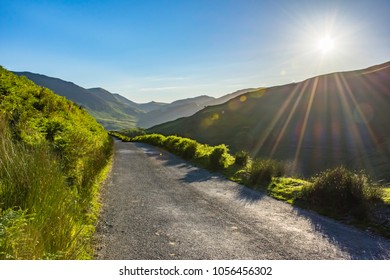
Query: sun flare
(326, 44)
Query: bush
(189, 148)
(218, 157)
(133, 132)
(172, 144)
(153, 139)
(241, 158)
(120, 136)
(262, 171)
(340, 192)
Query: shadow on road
(248, 195)
(351, 240)
(355, 243)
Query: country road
(157, 206)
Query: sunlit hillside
(52, 154)
(339, 118)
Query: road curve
(157, 206)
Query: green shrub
(172, 143)
(132, 132)
(152, 139)
(262, 171)
(340, 192)
(241, 158)
(120, 136)
(190, 148)
(218, 157)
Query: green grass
(287, 189)
(53, 157)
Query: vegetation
(219, 157)
(336, 192)
(216, 157)
(133, 132)
(341, 192)
(107, 108)
(53, 155)
(241, 158)
(263, 170)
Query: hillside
(108, 110)
(183, 108)
(52, 154)
(116, 112)
(339, 118)
(174, 110)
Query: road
(157, 206)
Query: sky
(167, 50)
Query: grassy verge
(43, 217)
(355, 197)
(53, 156)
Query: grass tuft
(263, 170)
(342, 192)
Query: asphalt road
(157, 206)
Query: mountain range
(116, 112)
(324, 121)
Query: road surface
(157, 206)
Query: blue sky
(166, 50)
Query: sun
(326, 44)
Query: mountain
(183, 108)
(174, 110)
(144, 107)
(108, 110)
(229, 96)
(324, 121)
(67, 89)
(116, 112)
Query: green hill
(339, 118)
(108, 110)
(52, 154)
(116, 112)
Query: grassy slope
(112, 113)
(322, 122)
(53, 156)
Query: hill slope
(183, 108)
(51, 155)
(108, 110)
(116, 112)
(339, 118)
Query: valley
(116, 112)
